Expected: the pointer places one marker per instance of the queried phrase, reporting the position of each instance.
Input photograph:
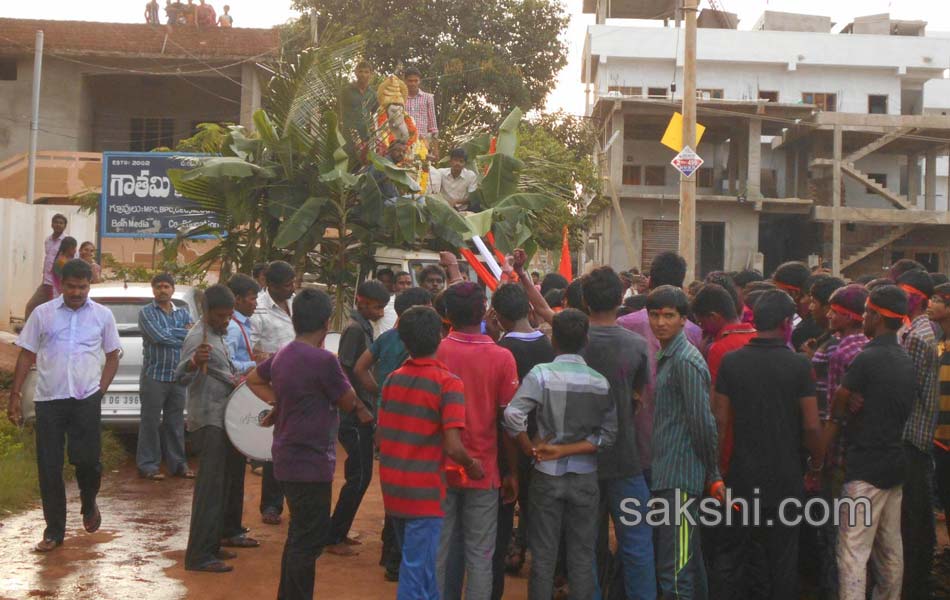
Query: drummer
(206, 369)
(307, 387)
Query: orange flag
(565, 266)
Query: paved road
(138, 552)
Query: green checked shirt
(684, 430)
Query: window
(656, 92)
(631, 175)
(705, 177)
(654, 175)
(7, 69)
(879, 178)
(625, 90)
(706, 94)
(149, 133)
(825, 102)
(770, 96)
(877, 105)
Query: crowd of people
(200, 15)
(585, 404)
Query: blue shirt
(389, 353)
(239, 342)
(162, 337)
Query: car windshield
(126, 312)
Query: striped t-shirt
(942, 434)
(420, 400)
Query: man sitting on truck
(455, 183)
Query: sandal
(156, 476)
(239, 541)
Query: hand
(506, 267)
(202, 355)
(518, 260)
(546, 451)
(447, 258)
(855, 403)
(509, 489)
(717, 490)
(810, 347)
(14, 412)
(189, 325)
(269, 419)
(475, 470)
(364, 416)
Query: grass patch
(19, 486)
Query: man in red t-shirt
(421, 416)
(715, 311)
(490, 376)
(205, 15)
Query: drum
(242, 421)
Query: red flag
(565, 266)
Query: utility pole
(35, 119)
(687, 228)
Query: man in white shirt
(66, 338)
(271, 330)
(388, 279)
(44, 293)
(455, 183)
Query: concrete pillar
(754, 166)
(732, 164)
(250, 94)
(930, 180)
(790, 164)
(742, 153)
(913, 178)
(801, 176)
(836, 202)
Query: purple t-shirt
(639, 322)
(308, 382)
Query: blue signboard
(138, 199)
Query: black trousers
(357, 440)
(272, 497)
(942, 481)
(756, 563)
(309, 505)
(917, 524)
(215, 507)
(391, 556)
(74, 424)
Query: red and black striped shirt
(420, 400)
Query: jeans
(758, 563)
(74, 424)
(634, 542)
(880, 542)
(467, 543)
(358, 470)
(419, 539)
(272, 497)
(215, 508)
(917, 524)
(161, 426)
(679, 554)
(569, 503)
(309, 504)
(506, 524)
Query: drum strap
(247, 341)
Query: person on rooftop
(205, 15)
(226, 21)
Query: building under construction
(819, 146)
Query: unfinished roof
(128, 40)
(772, 20)
(634, 9)
(883, 24)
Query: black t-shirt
(619, 355)
(805, 331)
(529, 350)
(765, 382)
(883, 374)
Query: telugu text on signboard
(138, 199)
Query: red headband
(890, 314)
(911, 290)
(788, 287)
(847, 312)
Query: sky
(568, 95)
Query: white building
(774, 100)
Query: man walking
(685, 459)
(66, 339)
(271, 330)
(162, 419)
(767, 392)
(44, 293)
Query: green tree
(503, 53)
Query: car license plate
(115, 401)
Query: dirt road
(138, 553)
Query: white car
(121, 405)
